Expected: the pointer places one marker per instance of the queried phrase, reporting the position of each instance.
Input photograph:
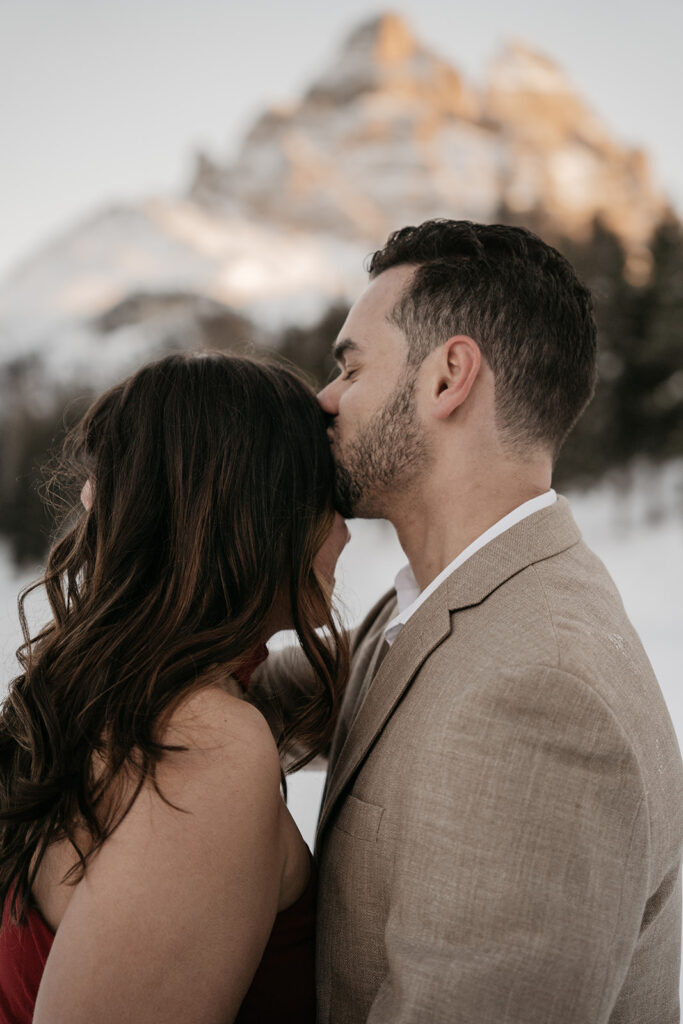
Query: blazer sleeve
(284, 681)
(279, 685)
(519, 886)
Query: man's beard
(388, 452)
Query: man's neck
(435, 525)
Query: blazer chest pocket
(359, 819)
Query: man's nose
(329, 398)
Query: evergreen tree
(660, 363)
(607, 435)
(310, 348)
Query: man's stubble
(386, 456)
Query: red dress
(23, 952)
(282, 990)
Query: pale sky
(106, 100)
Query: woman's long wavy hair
(212, 492)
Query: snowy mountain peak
(382, 57)
(388, 134)
(386, 39)
(528, 91)
(519, 68)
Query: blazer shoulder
(599, 648)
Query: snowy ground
(639, 536)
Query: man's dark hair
(520, 300)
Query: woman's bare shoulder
(199, 854)
(222, 732)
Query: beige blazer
(500, 838)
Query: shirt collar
(408, 595)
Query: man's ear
(455, 371)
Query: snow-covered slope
(54, 307)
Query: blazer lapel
(542, 535)
(418, 638)
(345, 723)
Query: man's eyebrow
(342, 347)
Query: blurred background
(213, 175)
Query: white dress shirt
(407, 589)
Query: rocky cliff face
(391, 134)
(560, 158)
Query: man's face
(377, 442)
